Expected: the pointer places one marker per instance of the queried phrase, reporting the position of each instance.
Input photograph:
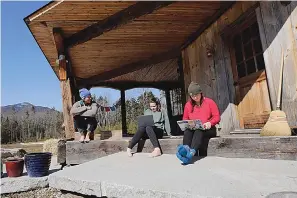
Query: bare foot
(156, 152)
(87, 139)
(129, 152)
(82, 138)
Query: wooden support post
(123, 112)
(65, 82)
(182, 80)
(168, 103)
(169, 107)
(67, 104)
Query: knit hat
(83, 93)
(194, 89)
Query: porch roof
(109, 43)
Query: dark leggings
(84, 124)
(199, 139)
(152, 133)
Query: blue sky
(26, 76)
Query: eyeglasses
(195, 96)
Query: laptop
(145, 120)
(186, 124)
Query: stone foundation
(240, 147)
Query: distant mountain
(25, 108)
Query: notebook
(187, 124)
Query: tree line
(32, 127)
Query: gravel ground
(44, 193)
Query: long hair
(193, 102)
(157, 102)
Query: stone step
(246, 132)
(240, 147)
(139, 176)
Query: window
(248, 51)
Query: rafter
(59, 43)
(160, 57)
(125, 85)
(133, 66)
(120, 18)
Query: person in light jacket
(152, 132)
(84, 112)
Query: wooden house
(232, 49)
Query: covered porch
(120, 45)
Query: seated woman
(84, 112)
(198, 108)
(152, 132)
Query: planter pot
(37, 164)
(14, 167)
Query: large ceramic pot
(14, 167)
(37, 164)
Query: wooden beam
(120, 18)
(182, 80)
(66, 82)
(123, 112)
(168, 104)
(59, 43)
(133, 67)
(173, 53)
(125, 85)
(67, 104)
(223, 8)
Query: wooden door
(252, 95)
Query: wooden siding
(214, 73)
(277, 26)
(278, 29)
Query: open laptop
(145, 120)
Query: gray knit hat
(194, 89)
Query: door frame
(243, 21)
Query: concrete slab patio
(118, 175)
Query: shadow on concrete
(285, 194)
(196, 158)
(74, 194)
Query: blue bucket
(37, 164)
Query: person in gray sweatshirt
(152, 132)
(84, 112)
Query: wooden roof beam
(131, 67)
(160, 57)
(59, 43)
(125, 85)
(225, 5)
(120, 18)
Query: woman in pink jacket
(201, 108)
